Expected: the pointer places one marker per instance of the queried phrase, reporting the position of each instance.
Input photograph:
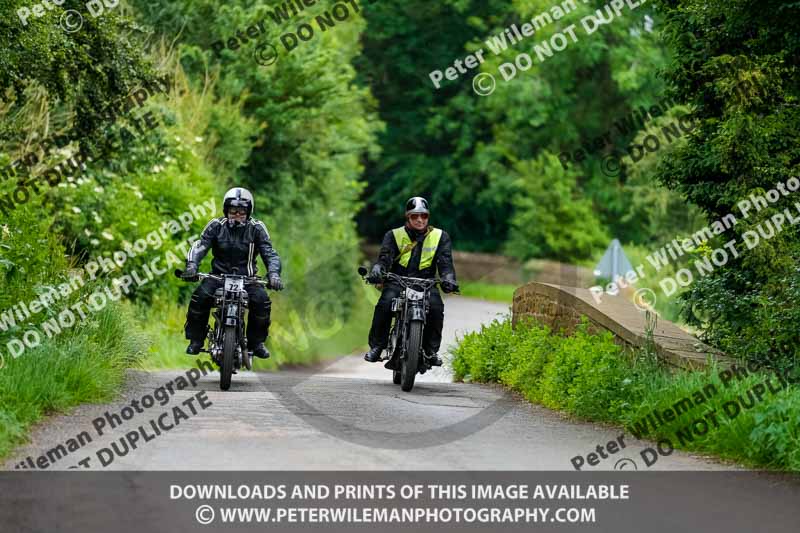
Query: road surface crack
(438, 404)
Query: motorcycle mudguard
(416, 313)
(231, 317)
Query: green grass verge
(590, 377)
(488, 291)
(86, 364)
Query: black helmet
(238, 197)
(417, 204)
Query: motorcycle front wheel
(228, 353)
(408, 371)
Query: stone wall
(561, 308)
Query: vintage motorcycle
(227, 343)
(410, 311)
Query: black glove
(449, 285)
(376, 274)
(275, 282)
(190, 274)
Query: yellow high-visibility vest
(429, 246)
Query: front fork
(233, 317)
(414, 312)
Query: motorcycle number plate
(233, 284)
(411, 294)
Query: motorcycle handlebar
(202, 275)
(432, 281)
(404, 280)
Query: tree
(80, 76)
(736, 63)
(551, 218)
(460, 149)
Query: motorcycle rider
(234, 240)
(415, 250)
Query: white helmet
(238, 197)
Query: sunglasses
(237, 211)
(421, 216)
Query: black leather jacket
(235, 247)
(442, 259)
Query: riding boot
(373, 355)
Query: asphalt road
(342, 415)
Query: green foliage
(118, 201)
(297, 135)
(487, 291)
(660, 214)
(459, 149)
(313, 129)
(551, 218)
(31, 257)
(589, 376)
(584, 374)
(83, 73)
(482, 356)
(757, 323)
(776, 435)
(85, 364)
(736, 64)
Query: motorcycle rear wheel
(228, 353)
(408, 372)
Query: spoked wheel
(228, 353)
(396, 377)
(408, 372)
